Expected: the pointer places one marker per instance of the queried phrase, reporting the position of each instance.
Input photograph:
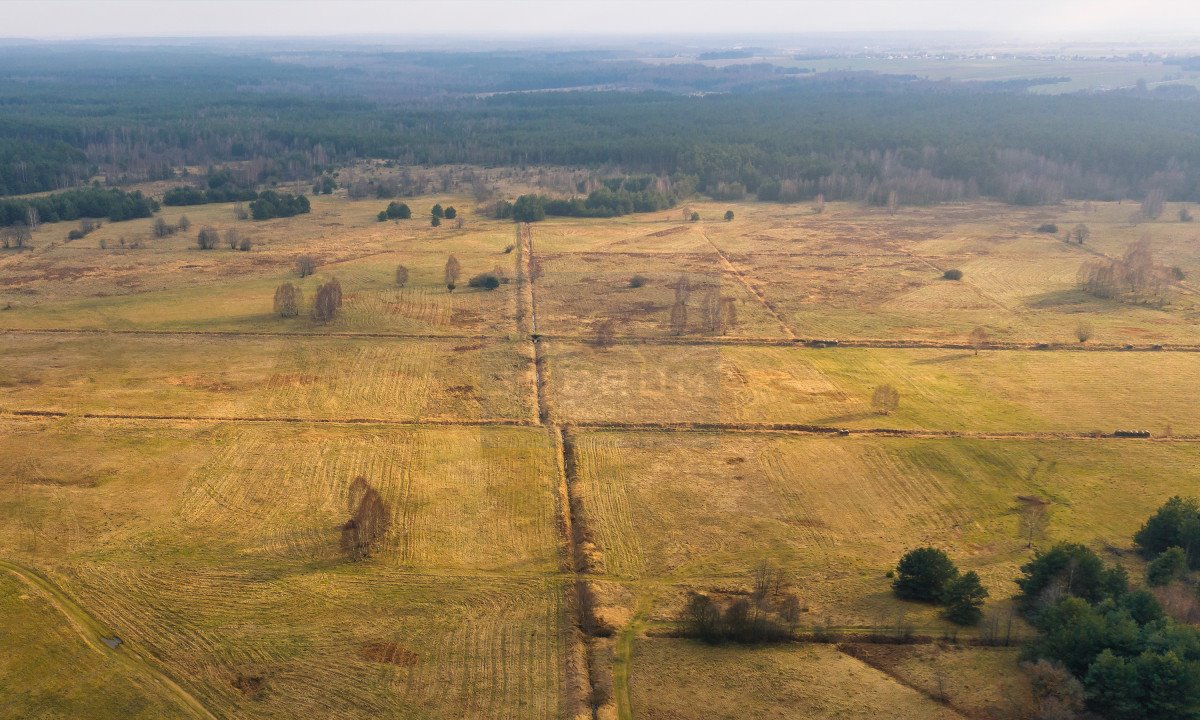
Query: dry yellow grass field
(214, 549)
(176, 460)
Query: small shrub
(1185, 215)
(486, 281)
(435, 221)
(509, 248)
(695, 217)
(1084, 331)
(451, 213)
(245, 245)
(1050, 228)
(728, 215)
(954, 274)
(638, 281)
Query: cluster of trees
(89, 202)
(928, 575)
(327, 301)
(86, 227)
(325, 185)
(717, 314)
(1119, 652)
(437, 213)
(163, 229)
(221, 186)
(395, 211)
(289, 300)
(769, 612)
(490, 280)
(1133, 277)
(271, 204)
(1170, 540)
(603, 202)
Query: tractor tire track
(762, 300)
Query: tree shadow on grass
(950, 357)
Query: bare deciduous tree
(1134, 277)
(819, 204)
(161, 228)
(452, 272)
(184, 223)
(17, 236)
(885, 400)
(401, 276)
(603, 332)
(287, 300)
(207, 238)
(1057, 693)
(1084, 331)
(1080, 234)
(1152, 204)
(327, 301)
(711, 317)
(679, 311)
(979, 339)
(1034, 519)
(306, 265)
(232, 239)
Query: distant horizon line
(561, 38)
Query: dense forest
(70, 112)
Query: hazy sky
(1109, 19)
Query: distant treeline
(140, 113)
(90, 202)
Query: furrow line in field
(750, 288)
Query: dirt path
(91, 631)
(791, 341)
(664, 427)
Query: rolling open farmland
(495, 501)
